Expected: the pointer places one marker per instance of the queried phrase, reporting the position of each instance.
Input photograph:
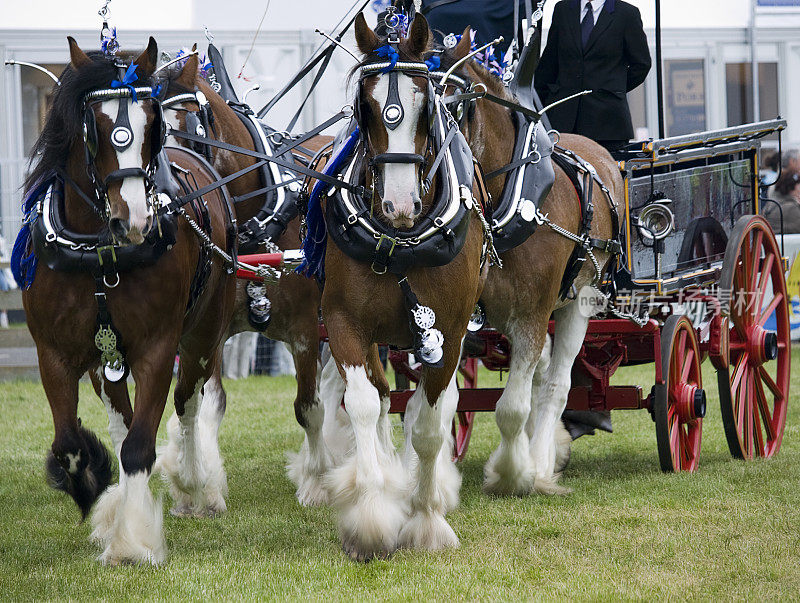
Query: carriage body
(707, 181)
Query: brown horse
(102, 142)
(295, 302)
(362, 305)
(520, 299)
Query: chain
(268, 273)
(639, 320)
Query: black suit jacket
(616, 60)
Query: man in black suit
(596, 45)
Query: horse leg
(509, 470)
(307, 467)
(191, 462)
(117, 401)
(436, 480)
(134, 516)
(336, 428)
(378, 378)
(367, 491)
(77, 463)
(552, 399)
(562, 438)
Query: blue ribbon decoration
(433, 62)
(388, 53)
(127, 81)
(23, 266)
(316, 240)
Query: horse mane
(64, 121)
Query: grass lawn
(627, 530)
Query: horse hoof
(359, 556)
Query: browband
(398, 66)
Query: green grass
(627, 531)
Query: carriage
(703, 277)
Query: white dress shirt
(597, 6)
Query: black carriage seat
(279, 208)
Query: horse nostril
(417, 207)
(388, 207)
(119, 227)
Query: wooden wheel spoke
(741, 396)
(770, 308)
(766, 272)
(759, 436)
(737, 375)
(756, 256)
(675, 446)
(763, 407)
(767, 378)
(687, 365)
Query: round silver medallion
(424, 317)
(450, 41)
(392, 114)
(527, 210)
(121, 136)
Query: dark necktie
(587, 24)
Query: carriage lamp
(656, 220)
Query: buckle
(352, 219)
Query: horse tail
(83, 474)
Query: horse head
(393, 109)
(123, 132)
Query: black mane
(65, 119)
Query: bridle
(392, 115)
(200, 122)
(121, 138)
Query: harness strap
(314, 131)
(84, 197)
(533, 157)
(426, 184)
(291, 166)
(264, 190)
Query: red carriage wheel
(679, 403)
(462, 423)
(754, 386)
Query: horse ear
(148, 59)
(418, 35)
(188, 75)
(464, 45)
(366, 39)
(77, 57)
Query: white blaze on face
(132, 190)
(400, 183)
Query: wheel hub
(691, 402)
(762, 345)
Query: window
(37, 90)
(739, 89)
(685, 106)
